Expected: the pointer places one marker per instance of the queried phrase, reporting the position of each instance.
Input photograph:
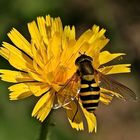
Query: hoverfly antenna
(80, 53)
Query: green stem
(44, 130)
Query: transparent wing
(115, 87)
(68, 92)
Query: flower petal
(69, 33)
(76, 48)
(90, 42)
(112, 93)
(55, 45)
(19, 91)
(96, 34)
(97, 46)
(34, 88)
(106, 98)
(39, 48)
(69, 56)
(35, 34)
(74, 116)
(68, 41)
(38, 88)
(16, 58)
(91, 120)
(15, 76)
(20, 41)
(106, 56)
(42, 26)
(43, 106)
(121, 68)
(17, 95)
(39, 58)
(53, 25)
(36, 76)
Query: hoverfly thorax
(84, 64)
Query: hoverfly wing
(109, 83)
(68, 92)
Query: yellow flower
(47, 62)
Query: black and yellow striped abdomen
(89, 93)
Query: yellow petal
(43, 106)
(17, 58)
(97, 46)
(82, 39)
(53, 25)
(74, 116)
(39, 51)
(4, 53)
(69, 33)
(38, 88)
(35, 88)
(94, 50)
(37, 56)
(55, 45)
(15, 76)
(96, 34)
(37, 68)
(19, 91)
(106, 56)
(49, 28)
(89, 42)
(56, 25)
(17, 95)
(91, 120)
(112, 93)
(35, 34)
(37, 41)
(121, 68)
(67, 53)
(36, 76)
(95, 29)
(20, 41)
(43, 31)
(106, 99)
(42, 27)
(74, 49)
(68, 41)
(72, 33)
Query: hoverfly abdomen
(89, 94)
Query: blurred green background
(121, 18)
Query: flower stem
(44, 130)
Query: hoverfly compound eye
(89, 58)
(83, 57)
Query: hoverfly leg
(56, 105)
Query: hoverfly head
(83, 58)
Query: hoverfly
(84, 85)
